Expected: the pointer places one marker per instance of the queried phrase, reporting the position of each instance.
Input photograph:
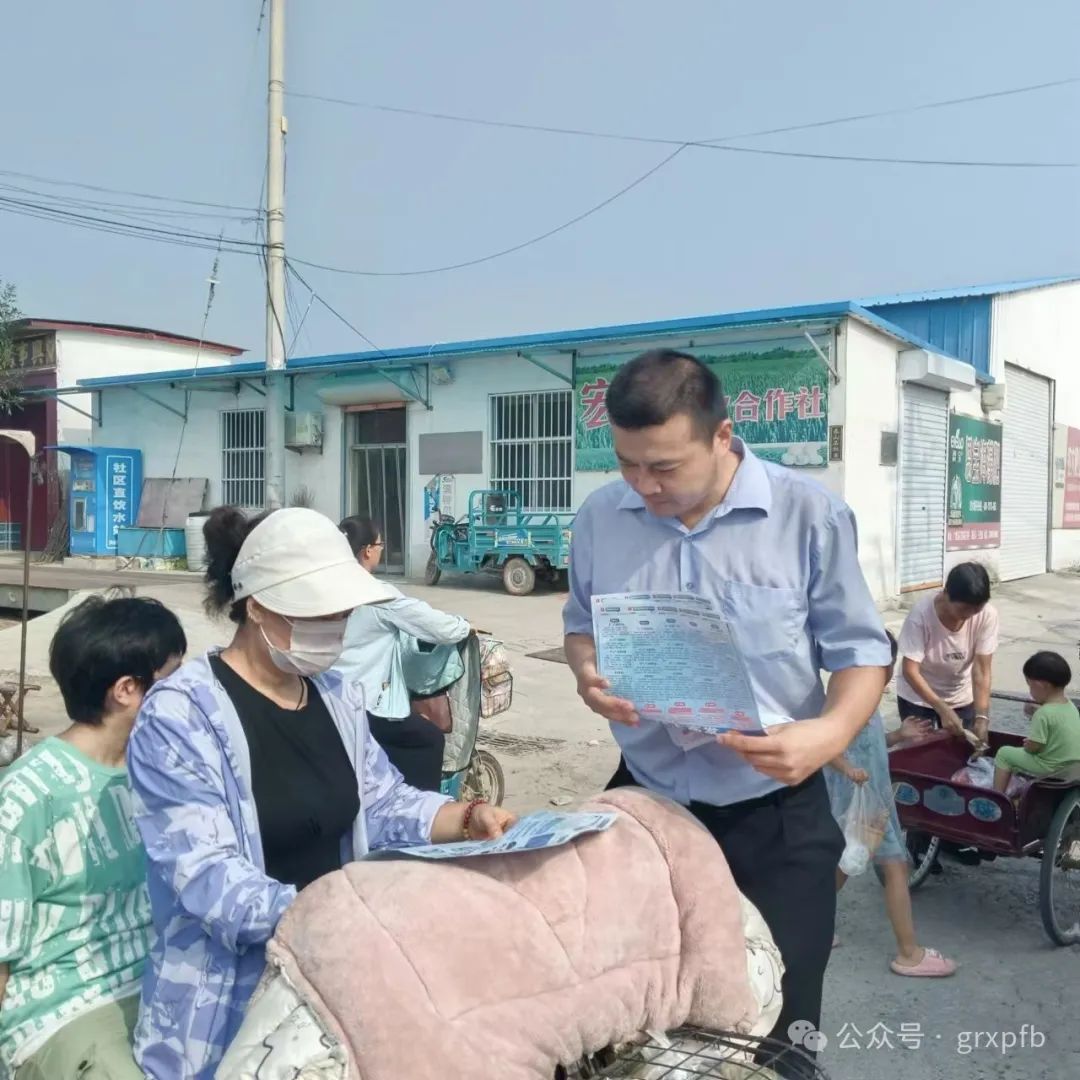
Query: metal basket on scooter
(697, 1054)
(496, 679)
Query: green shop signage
(778, 399)
(974, 504)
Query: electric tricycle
(1042, 822)
(498, 537)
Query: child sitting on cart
(1054, 740)
(867, 762)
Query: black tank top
(305, 788)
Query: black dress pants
(415, 748)
(783, 850)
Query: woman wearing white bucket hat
(254, 774)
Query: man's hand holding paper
(595, 691)
(791, 752)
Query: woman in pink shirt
(947, 644)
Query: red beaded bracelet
(469, 811)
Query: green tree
(10, 382)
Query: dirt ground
(1011, 1011)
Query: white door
(1025, 474)
(924, 465)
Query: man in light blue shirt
(696, 512)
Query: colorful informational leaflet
(676, 659)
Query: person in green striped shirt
(74, 911)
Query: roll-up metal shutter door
(1025, 475)
(924, 463)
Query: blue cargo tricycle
(497, 536)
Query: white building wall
(1040, 330)
(464, 405)
(83, 354)
(870, 394)
(131, 420)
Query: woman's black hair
(1049, 667)
(968, 583)
(361, 532)
(893, 644)
(102, 641)
(225, 531)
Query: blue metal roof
(561, 340)
(959, 326)
(966, 290)
(246, 370)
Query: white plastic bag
(978, 772)
(864, 825)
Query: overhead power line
(144, 226)
(507, 250)
(329, 307)
(121, 191)
(143, 231)
(589, 133)
(128, 209)
(870, 159)
(709, 144)
(637, 181)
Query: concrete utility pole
(275, 262)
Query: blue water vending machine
(106, 483)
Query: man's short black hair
(968, 583)
(662, 383)
(1049, 667)
(102, 641)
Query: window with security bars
(532, 447)
(243, 458)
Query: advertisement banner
(778, 398)
(974, 509)
(1071, 516)
(439, 497)
(118, 468)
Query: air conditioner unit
(993, 397)
(304, 430)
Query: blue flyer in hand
(534, 832)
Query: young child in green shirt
(1054, 741)
(74, 910)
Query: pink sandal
(932, 966)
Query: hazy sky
(168, 98)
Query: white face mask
(314, 646)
